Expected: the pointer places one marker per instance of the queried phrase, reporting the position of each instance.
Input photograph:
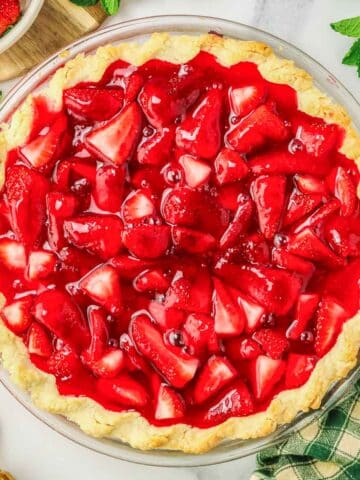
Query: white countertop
(31, 450)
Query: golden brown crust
(130, 427)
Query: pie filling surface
(179, 240)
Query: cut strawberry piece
(166, 317)
(17, 315)
(123, 390)
(169, 404)
(244, 100)
(103, 286)
(130, 267)
(242, 349)
(9, 15)
(133, 85)
(177, 368)
(199, 134)
(269, 195)
(41, 264)
(320, 214)
(26, 191)
(329, 320)
(345, 191)
(305, 309)
(181, 206)
(254, 249)
(98, 234)
(230, 166)
(56, 310)
(190, 294)
(115, 141)
(272, 342)
(343, 235)
(199, 334)
(12, 254)
(299, 369)
(266, 373)
(282, 258)
(254, 312)
(109, 365)
(216, 373)
(41, 151)
(192, 241)
(155, 150)
(229, 316)
(318, 137)
(235, 402)
(147, 241)
(68, 173)
(151, 281)
(109, 186)
(228, 195)
(138, 206)
(38, 341)
(239, 224)
(310, 185)
(196, 172)
(93, 104)
(65, 364)
(59, 207)
(300, 205)
(99, 333)
(133, 360)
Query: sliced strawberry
(269, 195)
(245, 99)
(318, 137)
(41, 264)
(109, 186)
(343, 235)
(199, 134)
(169, 404)
(299, 205)
(155, 149)
(98, 331)
(17, 315)
(108, 365)
(151, 281)
(26, 191)
(59, 207)
(65, 364)
(38, 341)
(196, 172)
(230, 166)
(42, 150)
(93, 104)
(216, 373)
(177, 368)
(59, 313)
(190, 294)
(103, 286)
(133, 85)
(239, 223)
(345, 191)
(199, 334)
(67, 173)
(181, 206)
(147, 241)
(129, 267)
(298, 369)
(282, 258)
(310, 185)
(192, 241)
(254, 312)
(253, 248)
(12, 254)
(320, 214)
(98, 234)
(123, 390)
(265, 374)
(305, 309)
(240, 348)
(329, 320)
(166, 317)
(133, 360)
(229, 316)
(115, 141)
(138, 206)
(272, 342)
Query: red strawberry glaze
(193, 228)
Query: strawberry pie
(179, 242)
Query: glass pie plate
(139, 30)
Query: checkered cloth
(328, 448)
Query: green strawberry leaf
(352, 57)
(110, 6)
(348, 26)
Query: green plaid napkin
(328, 448)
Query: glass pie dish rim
(137, 29)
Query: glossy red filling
(180, 240)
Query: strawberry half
(12, 254)
(41, 264)
(299, 205)
(245, 99)
(345, 191)
(108, 365)
(305, 309)
(298, 370)
(123, 390)
(265, 374)
(272, 342)
(147, 241)
(169, 404)
(154, 150)
(98, 332)
(38, 341)
(319, 139)
(59, 207)
(230, 166)
(254, 312)
(192, 241)
(196, 172)
(138, 206)
(108, 189)
(229, 316)
(93, 104)
(199, 334)
(190, 294)
(329, 320)
(151, 281)
(17, 315)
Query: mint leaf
(85, 3)
(348, 26)
(353, 55)
(110, 6)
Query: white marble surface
(29, 449)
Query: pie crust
(131, 427)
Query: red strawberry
(151, 281)
(133, 360)
(98, 234)
(192, 241)
(229, 194)
(240, 348)
(310, 185)
(177, 368)
(343, 235)
(282, 258)
(230, 166)
(216, 373)
(300, 205)
(26, 191)
(41, 264)
(169, 404)
(98, 331)
(273, 342)
(38, 341)
(65, 364)
(138, 206)
(68, 172)
(43, 149)
(109, 186)
(59, 313)
(269, 195)
(147, 241)
(93, 104)
(108, 365)
(190, 294)
(17, 315)
(103, 286)
(10, 12)
(318, 137)
(133, 84)
(199, 134)
(253, 248)
(196, 172)
(115, 141)
(12, 254)
(329, 320)
(298, 369)
(265, 374)
(345, 191)
(229, 315)
(320, 214)
(123, 390)
(199, 334)
(130, 267)
(166, 317)
(305, 309)
(239, 223)
(181, 206)
(154, 150)
(245, 99)
(254, 312)
(59, 207)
